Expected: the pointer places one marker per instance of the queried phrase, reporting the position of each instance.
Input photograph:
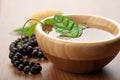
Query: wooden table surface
(13, 13)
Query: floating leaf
(67, 26)
(64, 26)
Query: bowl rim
(112, 39)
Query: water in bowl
(89, 34)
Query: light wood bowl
(81, 57)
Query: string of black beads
(19, 55)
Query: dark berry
(19, 39)
(15, 58)
(14, 50)
(20, 49)
(31, 39)
(13, 43)
(31, 64)
(21, 61)
(29, 49)
(11, 46)
(34, 70)
(19, 55)
(25, 63)
(24, 53)
(40, 55)
(34, 53)
(36, 48)
(37, 64)
(26, 69)
(16, 63)
(12, 61)
(29, 54)
(21, 67)
(28, 43)
(24, 37)
(31, 42)
(18, 46)
(16, 41)
(11, 55)
(35, 42)
(39, 67)
(33, 35)
(25, 40)
(25, 46)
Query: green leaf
(31, 30)
(67, 26)
(58, 18)
(19, 31)
(49, 21)
(64, 26)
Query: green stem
(21, 42)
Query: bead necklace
(19, 55)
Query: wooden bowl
(81, 57)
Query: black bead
(36, 64)
(40, 55)
(25, 63)
(25, 46)
(31, 42)
(31, 64)
(33, 35)
(20, 49)
(26, 69)
(24, 53)
(11, 46)
(20, 67)
(28, 43)
(11, 55)
(25, 40)
(18, 46)
(29, 54)
(40, 50)
(18, 55)
(14, 50)
(34, 53)
(35, 42)
(16, 63)
(16, 41)
(25, 37)
(15, 58)
(21, 61)
(12, 61)
(36, 48)
(34, 70)
(29, 49)
(38, 67)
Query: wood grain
(49, 71)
